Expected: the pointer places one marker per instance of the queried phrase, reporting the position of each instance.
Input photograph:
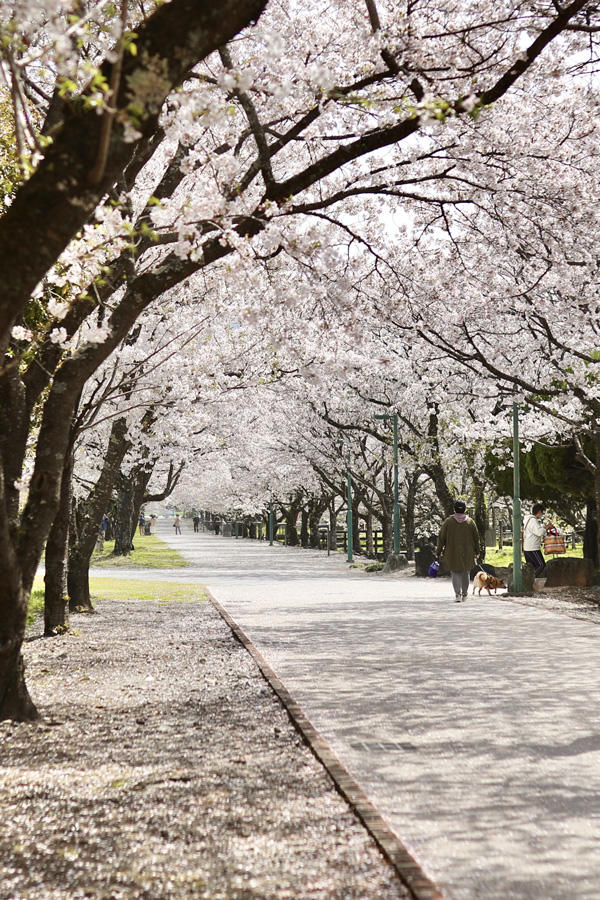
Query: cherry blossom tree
(284, 127)
(87, 154)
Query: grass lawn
(123, 589)
(36, 601)
(129, 589)
(149, 553)
(504, 557)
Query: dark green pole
(396, 492)
(271, 524)
(396, 499)
(517, 575)
(349, 516)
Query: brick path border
(408, 869)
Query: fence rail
(259, 530)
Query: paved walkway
(473, 728)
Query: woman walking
(534, 530)
(458, 545)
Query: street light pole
(349, 533)
(516, 523)
(349, 513)
(394, 416)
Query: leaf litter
(164, 767)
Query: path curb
(409, 871)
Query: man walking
(458, 545)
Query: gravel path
(164, 767)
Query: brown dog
(489, 582)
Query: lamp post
(516, 523)
(349, 513)
(394, 416)
(349, 532)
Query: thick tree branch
(51, 207)
(384, 137)
(264, 158)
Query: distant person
(217, 524)
(458, 545)
(100, 537)
(534, 530)
(142, 523)
(177, 525)
(153, 521)
(196, 521)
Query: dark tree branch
(175, 38)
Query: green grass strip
(132, 589)
(36, 602)
(123, 589)
(504, 557)
(150, 553)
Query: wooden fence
(259, 531)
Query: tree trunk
(596, 556)
(436, 470)
(369, 536)
(123, 517)
(409, 515)
(131, 496)
(316, 508)
(291, 518)
(387, 513)
(313, 527)
(15, 702)
(78, 580)
(56, 600)
(304, 532)
(140, 477)
(444, 494)
(332, 526)
(590, 535)
(387, 532)
(480, 513)
(87, 515)
(291, 532)
(356, 546)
